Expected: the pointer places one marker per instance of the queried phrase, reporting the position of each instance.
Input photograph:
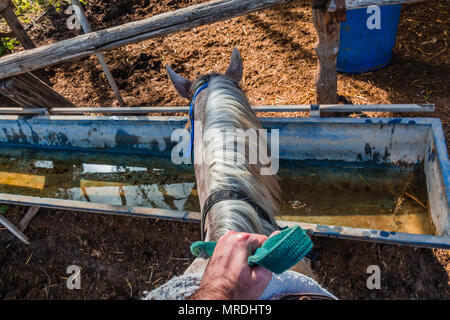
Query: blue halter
(191, 117)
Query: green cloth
(277, 254)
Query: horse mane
(227, 109)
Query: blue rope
(191, 117)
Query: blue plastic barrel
(367, 39)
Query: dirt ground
(120, 256)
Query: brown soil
(120, 257)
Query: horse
(232, 196)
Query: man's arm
(228, 275)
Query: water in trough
(363, 195)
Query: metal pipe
(263, 108)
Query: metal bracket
(315, 111)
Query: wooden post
(327, 25)
(87, 29)
(7, 12)
(8, 225)
(30, 92)
(31, 212)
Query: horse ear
(182, 85)
(234, 70)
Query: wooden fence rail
(327, 15)
(156, 26)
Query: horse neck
(224, 109)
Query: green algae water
(322, 192)
(356, 195)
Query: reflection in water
(43, 164)
(356, 195)
(104, 168)
(141, 195)
(22, 180)
(96, 177)
(322, 192)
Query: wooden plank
(31, 212)
(30, 92)
(107, 39)
(15, 25)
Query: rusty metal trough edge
(381, 236)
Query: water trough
(381, 179)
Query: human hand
(228, 275)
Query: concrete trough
(393, 142)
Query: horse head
(185, 87)
(233, 196)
